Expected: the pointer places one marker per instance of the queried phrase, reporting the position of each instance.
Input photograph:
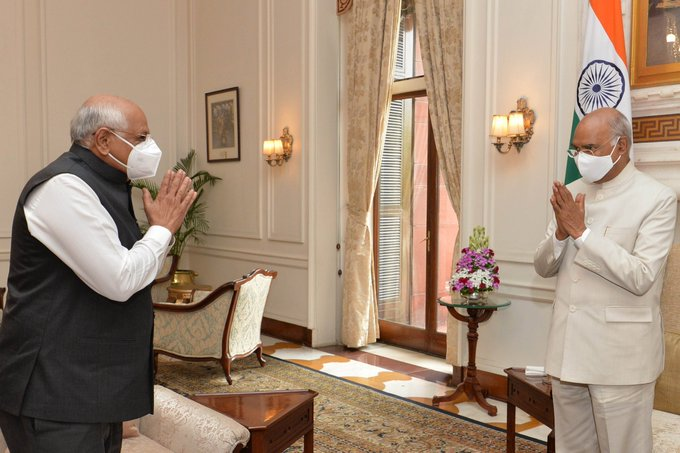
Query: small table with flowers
(477, 312)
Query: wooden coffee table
(275, 419)
(534, 396)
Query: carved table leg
(470, 385)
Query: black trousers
(34, 435)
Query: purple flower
(476, 270)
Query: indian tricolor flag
(604, 72)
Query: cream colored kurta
(606, 323)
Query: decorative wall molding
(518, 289)
(516, 256)
(287, 184)
(661, 100)
(253, 256)
(236, 234)
(661, 160)
(659, 128)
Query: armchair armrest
(183, 425)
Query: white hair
(89, 118)
(620, 127)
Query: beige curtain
(440, 30)
(371, 44)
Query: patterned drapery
(371, 48)
(440, 29)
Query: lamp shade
(278, 147)
(516, 124)
(499, 126)
(268, 147)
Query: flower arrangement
(476, 271)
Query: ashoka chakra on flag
(601, 85)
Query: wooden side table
(476, 313)
(534, 396)
(275, 419)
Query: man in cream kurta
(608, 247)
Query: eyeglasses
(573, 151)
(138, 138)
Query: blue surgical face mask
(594, 168)
(143, 160)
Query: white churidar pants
(602, 418)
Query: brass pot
(183, 277)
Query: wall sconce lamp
(278, 151)
(518, 126)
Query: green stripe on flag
(572, 173)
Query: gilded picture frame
(655, 43)
(222, 125)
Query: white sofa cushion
(142, 444)
(185, 426)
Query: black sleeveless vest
(66, 352)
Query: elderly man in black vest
(76, 336)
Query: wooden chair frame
(227, 357)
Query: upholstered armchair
(223, 324)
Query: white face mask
(594, 168)
(143, 159)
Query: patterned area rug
(348, 417)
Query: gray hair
(620, 127)
(89, 118)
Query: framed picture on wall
(655, 43)
(222, 125)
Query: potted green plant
(195, 223)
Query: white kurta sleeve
(66, 216)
